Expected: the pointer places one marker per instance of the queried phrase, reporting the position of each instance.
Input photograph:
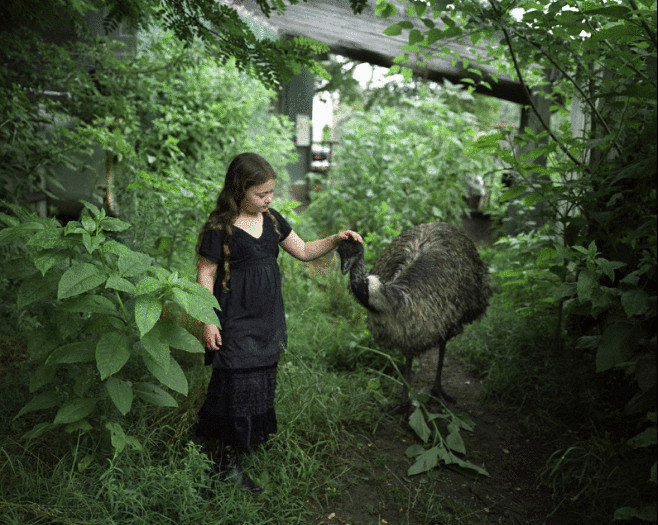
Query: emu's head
(350, 252)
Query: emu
(426, 285)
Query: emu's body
(427, 284)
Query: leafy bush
(100, 336)
(397, 167)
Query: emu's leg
(437, 389)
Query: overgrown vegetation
(569, 339)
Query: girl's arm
(307, 251)
(206, 277)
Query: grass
(330, 398)
(169, 481)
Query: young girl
(238, 247)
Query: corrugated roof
(361, 37)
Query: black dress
(239, 407)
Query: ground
(382, 493)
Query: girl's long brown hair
(246, 170)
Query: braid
(227, 258)
(275, 222)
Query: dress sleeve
(212, 246)
(283, 225)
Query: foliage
(192, 119)
(592, 184)
(100, 338)
(403, 166)
(224, 33)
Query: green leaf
(78, 279)
(80, 352)
(201, 307)
(178, 337)
(121, 393)
(425, 462)
(96, 304)
(36, 289)
(614, 346)
(147, 312)
(647, 513)
(149, 285)
(587, 285)
(385, 9)
(79, 426)
(635, 302)
(44, 263)
(154, 395)
(114, 225)
(454, 439)
(157, 346)
(512, 193)
(133, 263)
(74, 411)
(119, 283)
(42, 401)
(646, 438)
(171, 376)
(46, 239)
(117, 436)
(393, 30)
(418, 424)
(112, 353)
(415, 36)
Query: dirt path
(382, 493)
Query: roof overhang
(361, 37)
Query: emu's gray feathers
(426, 285)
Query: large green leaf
(35, 289)
(78, 279)
(119, 283)
(178, 337)
(42, 401)
(157, 346)
(112, 352)
(154, 395)
(79, 352)
(172, 376)
(454, 439)
(133, 263)
(147, 312)
(417, 422)
(74, 411)
(614, 347)
(96, 304)
(121, 393)
(425, 462)
(198, 306)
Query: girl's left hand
(349, 234)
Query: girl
(238, 246)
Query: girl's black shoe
(230, 470)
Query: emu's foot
(443, 397)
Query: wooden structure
(361, 38)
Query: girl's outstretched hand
(349, 234)
(211, 336)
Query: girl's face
(258, 198)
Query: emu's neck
(366, 288)
(359, 281)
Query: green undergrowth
(595, 463)
(61, 478)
